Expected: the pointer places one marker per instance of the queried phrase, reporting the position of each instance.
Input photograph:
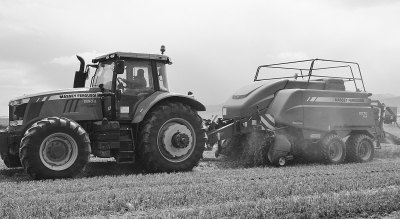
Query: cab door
(135, 84)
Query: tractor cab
(131, 77)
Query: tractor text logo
(349, 100)
(363, 114)
(79, 95)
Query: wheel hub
(282, 161)
(180, 140)
(335, 151)
(176, 140)
(58, 151)
(364, 151)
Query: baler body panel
(250, 98)
(287, 108)
(311, 106)
(257, 96)
(330, 110)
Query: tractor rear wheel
(359, 148)
(171, 138)
(54, 148)
(332, 149)
(11, 160)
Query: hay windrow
(249, 149)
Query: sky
(215, 46)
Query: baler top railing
(311, 69)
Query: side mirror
(120, 67)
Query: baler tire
(360, 148)
(280, 160)
(329, 142)
(11, 161)
(165, 122)
(55, 147)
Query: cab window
(137, 78)
(162, 76)
(103, 75)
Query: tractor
(310, 114)
(126, 113)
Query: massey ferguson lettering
(79, 95)
(338, 99)
(350, 100)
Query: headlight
(18, 102)
(16, 123)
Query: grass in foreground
(300, 191)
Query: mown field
(214, 189)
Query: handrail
(312, 69)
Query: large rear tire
(171, 138)
(332, 149)
(11, 160)
(55, 148)
(360, 148)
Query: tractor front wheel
(171, 138)
(55, 148)
(332, 149)
(359, 148)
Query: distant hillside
(381, 96)
(393, 101)
(212, 110)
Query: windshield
(103, 75)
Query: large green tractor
(127, 113)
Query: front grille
(17, 112)
(34, 110)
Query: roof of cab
(132, 55)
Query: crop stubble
(212, 190)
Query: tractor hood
(78, 104)
(54, 94)
(250, 98)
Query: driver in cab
(138, 82)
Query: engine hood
(55, 93)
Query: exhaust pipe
(80, 76)
(82, 67)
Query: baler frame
(311, 69)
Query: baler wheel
(332, 149)
(280, 160)
(55, 147)
(11, 160)
(359, 148)
(171, 138)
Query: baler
(308, 113)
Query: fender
(158, 96)
(281, 144)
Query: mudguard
(281, 144)
(157, 96)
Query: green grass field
(214, 189)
